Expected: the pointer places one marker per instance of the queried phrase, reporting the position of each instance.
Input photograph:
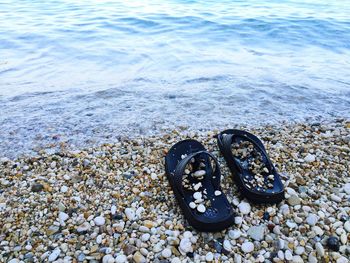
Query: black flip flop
(217, 213)
(264, 186)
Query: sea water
(86, 72)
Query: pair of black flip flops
(195, 177)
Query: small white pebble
(209, 256)
(197, 195)
(244, 208)
(64, 189)
(54, 255)
(197, 186)
(130, 214)
(201, 208)
(199, 173)
(113, 209)
(121, 259)
(217, 193)
(288, 255)
(108, 259)
(166, 253)
(99, 221)
(247, 247)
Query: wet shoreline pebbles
(113, 203)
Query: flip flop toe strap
(181, 166)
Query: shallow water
(84, 72)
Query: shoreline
(55, 142)
(112, 202)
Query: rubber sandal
(194, 176)
(251, 167)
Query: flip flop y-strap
(180, 170)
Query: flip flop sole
(274, 195)
(215, 218)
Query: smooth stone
(201, 208)
(217, 193)
(144, 251)
(227, 245)
(294, 200)
(176, 260)
(238, 220)
(247, 247)
(54, 255)
(209, 256)
(217, 245)
(311, 219)
(139, 258)
(237, 258)
(119, 227)
(333, 243)
(53, 165)
(266, 216)
(145, 237)
(84, 227)
(130, 214)
(81, 257)
(166, 253)
(342, 260)
(61, 207)
(14, 260)
(280, 255)
(99, 221)
(309, 158)
(312, 258)
(343, 238)
(197, 195)
(86, 162)
(52, 230)
(234, 234)
(62, 217)
(113, 209)
(121, 259)
(297, 259)
(257, 232)
(291, 224)
(347, 188)
(108, 259)
(318, 231)
(244, 208)
(192, 205)
(185, 245)
(144, 229)
(37, 187)
(99, 239)
(129, 249)
(347, 226)
(288, 255)
(197, 186)
(64, 189)
(335, 198)
(299, 250)
(319, 249)
(157, 247)
(199, 173)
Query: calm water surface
(85, 72)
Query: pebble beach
(113, 203)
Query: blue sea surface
(88, 71)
